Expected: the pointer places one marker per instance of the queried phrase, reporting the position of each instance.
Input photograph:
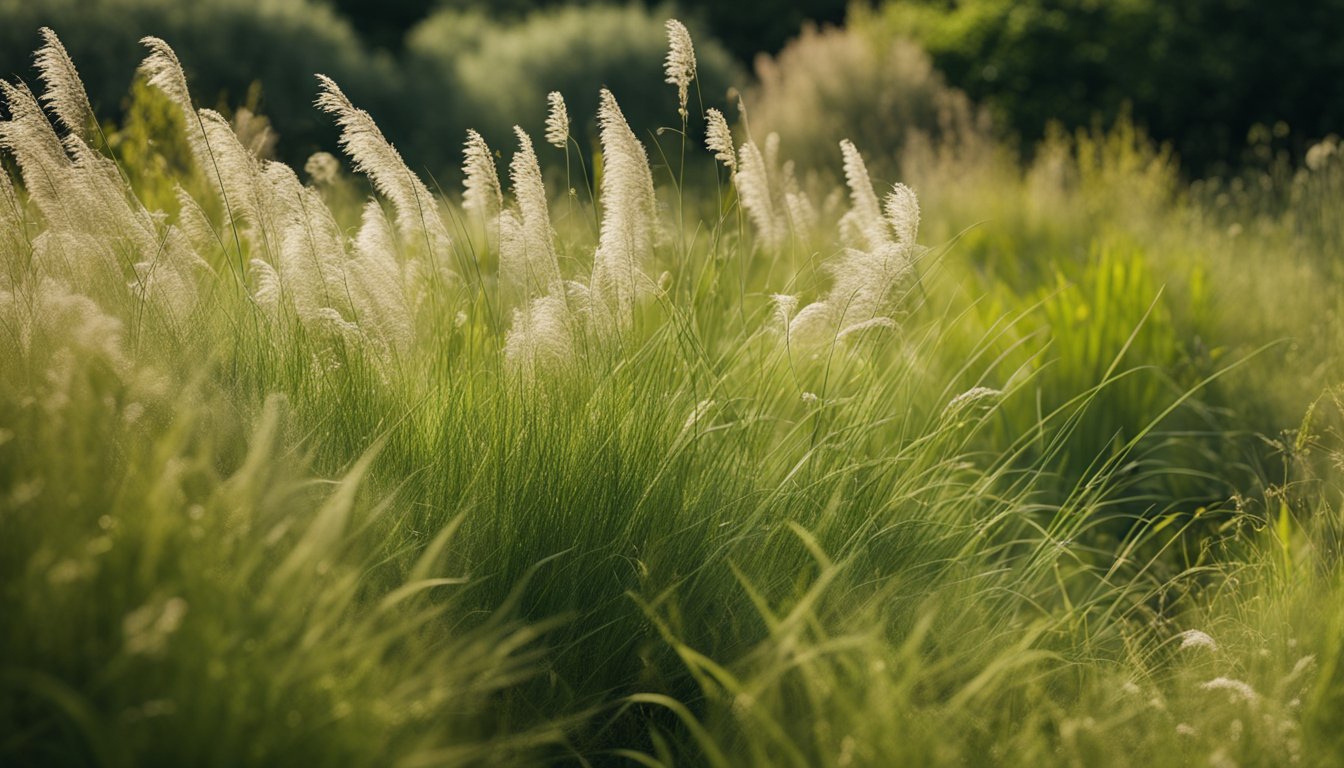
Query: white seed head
(322, 168)
(865, 214)
(164, 71)
(627, 232)
(680, 64)
(541, 272)
(1237, 689)
(719, 139)
(65, 91)
(972, 397)
(903, 214)
(784, 307)
(1193, 638)
(557, 121)
(362, 140)
(753, 191)
(480, 178)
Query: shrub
(835, 84)
(493, 74)
(226, 45)
(1199, 73)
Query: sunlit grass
(975, 525)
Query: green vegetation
(1012, 465)
(458, 70)
(1198, 73)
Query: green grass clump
(662, 473)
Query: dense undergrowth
(1041, 466)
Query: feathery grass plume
(377, 285)
(65, 92)
(95, 227)
(480, 180)
(311, 254)
(797, 205)
(170, 276)
(680, 64)
(232, 170)
(541, 338)
(627, 231)
(719, 139)
(237, 175)
(1194, 638)
(557, 121)
(53, 323)
(195, 222)
(322, 168)
(534, 267)
(753, 190)
(38, 151)
(867, 273)
(902, 209)
(865, 215)
(783, 306)
(11, 221)
(268, 290)
(770, 152)
(164, 71)
(1236, 689)
(813, 326)
(361, 139)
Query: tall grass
(771, 474)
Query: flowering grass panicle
(879, 256)
(1193, 638)
(719, 139)
(99, 238)
(48, 323)
(64, 92)
(557, 121)
(323, 168)
(680, 64)
(163, 70)
(361, 139)
(798, 207)
(864, 219)
(11, 221)
(378, 285)
(756, 195)
(542, 337)
(481, 195)
(626, 235)
(1237, 690)
(535, 267)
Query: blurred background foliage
(1202, 75)
(1197, 73)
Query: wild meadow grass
(664, 455)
